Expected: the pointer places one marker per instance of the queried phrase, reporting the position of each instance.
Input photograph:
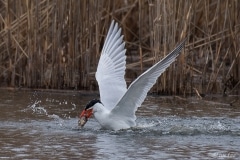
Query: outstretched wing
(138, 89)
(111, 68)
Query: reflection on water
(43, 125)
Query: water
(43, 125)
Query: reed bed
(57, 44)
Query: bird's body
(118, 104)
(108, 120)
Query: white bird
(118, 104)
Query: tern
(117, 105)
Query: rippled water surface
(43, 125)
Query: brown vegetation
(57, 43)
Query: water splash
(36, 108)
(147, 124)
(181, 127)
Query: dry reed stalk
(57, 43)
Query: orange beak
(86, 113)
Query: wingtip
(113, 28)
(114, 24)
(184, 40)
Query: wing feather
(111, 68)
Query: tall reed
(57, 43)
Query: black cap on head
(92, 103)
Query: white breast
(109, 121)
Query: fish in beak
(87, 112)
(84, 116)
